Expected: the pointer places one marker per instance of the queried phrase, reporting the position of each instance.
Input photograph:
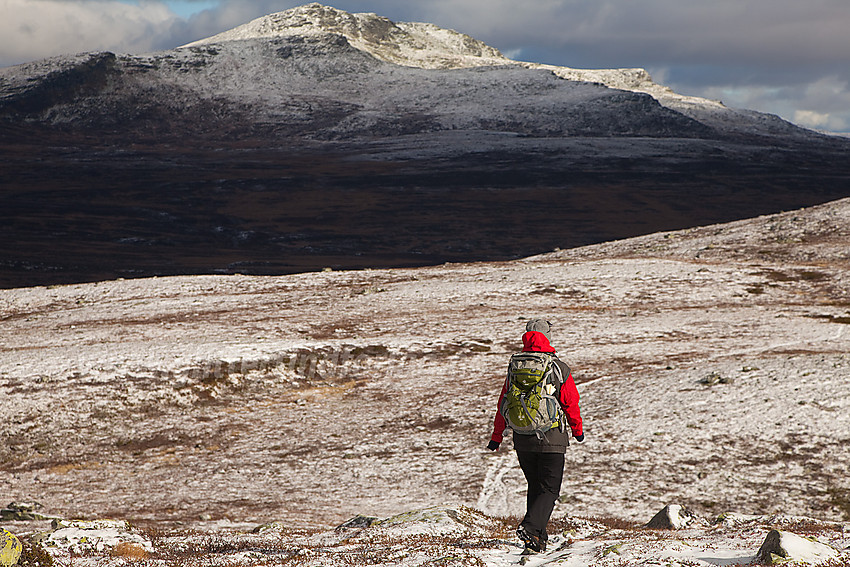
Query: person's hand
(493, 445)
(580, 438)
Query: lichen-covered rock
(781, 546)
(93, 536)
(10, 548)
(357, 522)
(22, 512)
(734, 519)
(716, 378)
(437, 520)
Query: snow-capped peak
(410, 44)
(428, 46)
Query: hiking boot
(533, 544)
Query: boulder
(715, 378)
(671, 517)
(80, 536)
(22, 512)
(271, 526)
(736, 520)
(781, 546)
(10, 548)
(357, 522)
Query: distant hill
(314, 137)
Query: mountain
(426, 46)
(320, 73)
(315, 138)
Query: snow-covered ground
(712, 362)
(455, 535)
(712, 365)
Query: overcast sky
(787, 57)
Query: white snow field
(711, 362)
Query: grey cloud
(580, 33)
(34, 29)
(781, 56)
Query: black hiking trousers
(544, 472)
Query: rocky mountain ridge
(421, 45)
(427, 46)
(314, 65)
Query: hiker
(541, 454)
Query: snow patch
(78, 536)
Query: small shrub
(811, 275)
(33, 554)
(505, 526)
(617, 523)
(370, 350)
(129, 550)
(840, 499)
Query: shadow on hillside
(79, 209)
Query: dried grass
(129, 550)
(34, 555)
(617, 523)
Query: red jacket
(534, 341)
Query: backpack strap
(559, 375)
(556, 371)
